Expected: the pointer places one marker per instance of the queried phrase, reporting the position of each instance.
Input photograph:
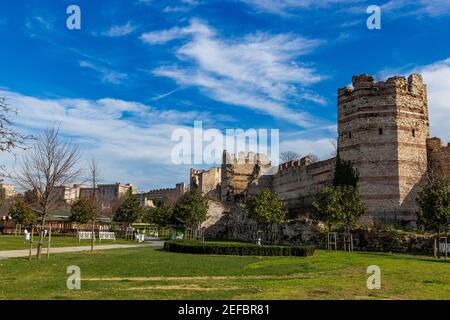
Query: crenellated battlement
(245, 158)
(295, 164)
(365, 85)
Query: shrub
(237, 249)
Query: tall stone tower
(383, 129)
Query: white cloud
(106, 75)
(120, 30)
(285, 6)
(420, 7)
(130, 140)
(160, 37)
(437, 76)
(257, 71)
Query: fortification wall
(383, 129)
(297, 182)
(207, 181)
(239, 172)
(438, 158)
(170, 195)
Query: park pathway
(24, 253)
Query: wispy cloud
(120, 30)
(435, 76)
(399, 7)
(106, 75)
(131, 140)
(284, 7)
(257, 71)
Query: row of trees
(190, 210)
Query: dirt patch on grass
(200, 278)
(191, 287)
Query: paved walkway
(24, 253)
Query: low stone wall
(236, 227)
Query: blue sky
(139, 69)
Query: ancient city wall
(305, 232)
(170, 195)
(239, 172)
(438, 158)
(207, 181)
(299, 181)
(383, 129)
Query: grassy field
(151, 273)
(17, 243)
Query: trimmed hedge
(237, 249)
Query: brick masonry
(383, 129)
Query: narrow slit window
(414, 133)
(380, 131)
(349, 135)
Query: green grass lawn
(151, 273)
(17, 243)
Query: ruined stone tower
(383, 129)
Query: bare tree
(51, 163)
(9, 138)
(94, 172)
(335, 148)
(289, 156)
(313, 157)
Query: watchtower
(383, 129)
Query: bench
(105, 235)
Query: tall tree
(434, 201)
(130, 210)
(192, 208)
(94, 172)
(51, 163)
(345, 174)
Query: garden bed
(236, 249)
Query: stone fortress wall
(438, 158)
(383, 129)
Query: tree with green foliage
(339, 205)
(22, 213)
(327, 207)
(351, 205)
(191, 209)
(161, 215)
(265, 208)
(345, 174)
(82, 211)
(130, 210)
(434, 201)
